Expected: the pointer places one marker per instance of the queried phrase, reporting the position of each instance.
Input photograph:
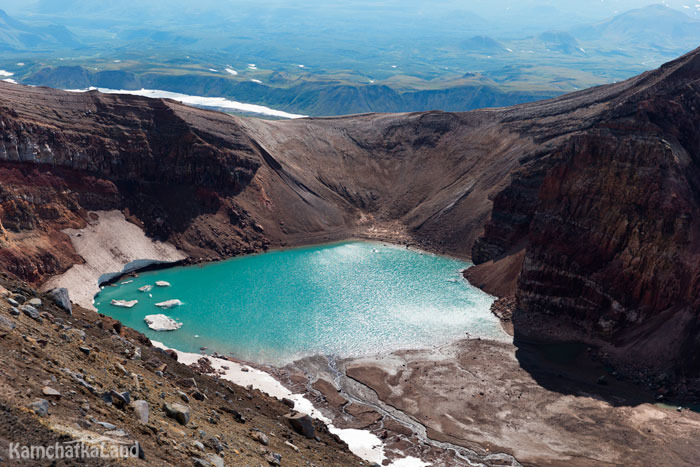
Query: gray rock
(6, 324)
(215, 444)
(302, 424)
(40, 407)
(119, 399)
(236, 414)
(183, 396)
(14, 311)
(288, 402)
(141, 410)
(198, 445)
(187, 383)
(178, 412)
(49, 391)
(273, 458)
(198, 396)
(12, 301)
(200, 462)
(215, 460)
(260, 437)
(61, 298)
(20, 298)
(107, 425)
(85, 350)
(35, 302)
(30, 311)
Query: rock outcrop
(584, 207)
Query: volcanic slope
(585, 208)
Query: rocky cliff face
(584, 208)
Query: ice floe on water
(199, 101)
(6, 73)
(161, 322)
(169, 303)
(230, 71)
(257, 81)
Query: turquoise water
(346, 299)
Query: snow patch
(199, 101)
(362, 443)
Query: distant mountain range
(18, 36)
(314, 63)
(655, 26)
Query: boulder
(215, 460)
(178, 412)
(141, 410)
(273, 458)
(40, 407)
(30, 311)
(119, 399)
(51, 392)
(187, 383)
(6, 324)
(288, 402)
(260, 437)
(302, 424)
(162, 323)
(61, 298)
(35, 302)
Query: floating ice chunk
(169, 303)
(162, 323)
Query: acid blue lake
(345, 299)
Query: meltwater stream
(346, 299)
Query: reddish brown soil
(599, 188)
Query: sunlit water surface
(346, 299)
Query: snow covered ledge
(109, 243)
(362, 443)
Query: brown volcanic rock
(597, 190)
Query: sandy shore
(543, 405)
(110, 246)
